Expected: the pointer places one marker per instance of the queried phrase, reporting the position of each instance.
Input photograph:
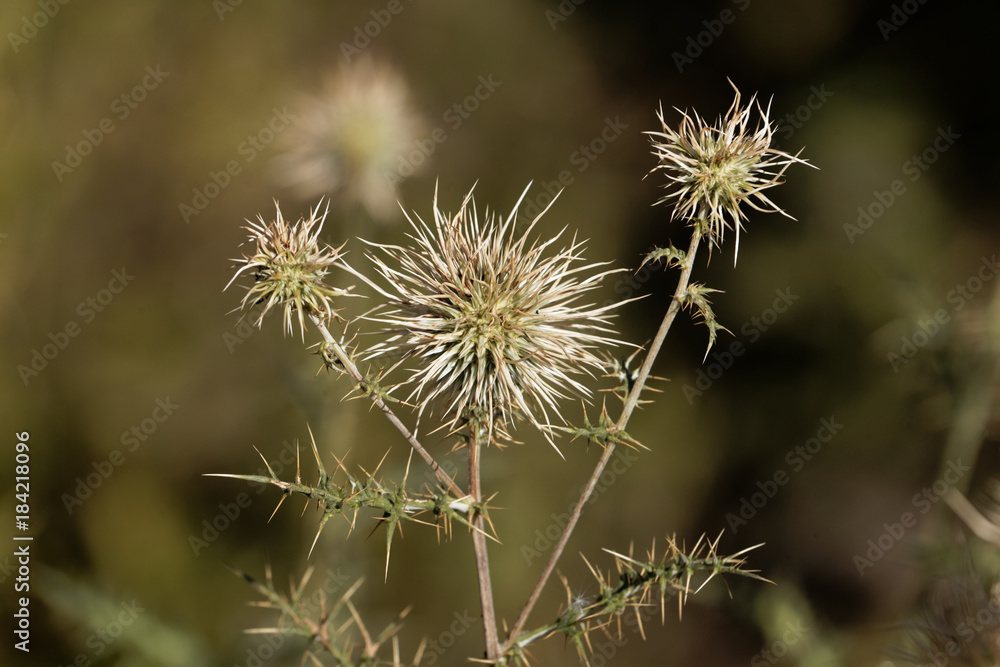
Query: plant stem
(475, 490)
(631, 401)
(479, 543)
(356, 375)
(654, 348)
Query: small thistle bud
(713, 169)
(288, 267)
(493, 321)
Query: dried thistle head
(289, 267)
(349, 137)
(492, 320)
(959, 625)
(713, 169)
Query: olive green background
(168, 335)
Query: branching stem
(356, 375)
(630, 403)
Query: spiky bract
(491, 320)
(289, 267)
(712, 169)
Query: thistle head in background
(346, 140)
(958, 623)
(713, 169)
(289, 266)
(493, 322)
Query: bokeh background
(239, 94)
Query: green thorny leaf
(323, 623)
(327, 353)
(635, 588)
(605, 432)
(350, 493)
(370, 385)
(696, 295)
(620, 368)
(670, 255)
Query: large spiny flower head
(713, 169)
(490, 319)
(289, 267)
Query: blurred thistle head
(289, 266)
(713, 169)
(345, 141)
(492, 320)
(959, 622)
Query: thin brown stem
(654, 348)
(356, 375)
(479, 543)
(631, 401)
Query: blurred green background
(161, 100)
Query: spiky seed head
(289, 266)
(349, 137)
(952, 605)
(712, 169)
(491, 320)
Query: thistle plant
(491, 322)
(956, 623)
(487, 323)
(712, 170)
(349, 136)
(289, 267)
